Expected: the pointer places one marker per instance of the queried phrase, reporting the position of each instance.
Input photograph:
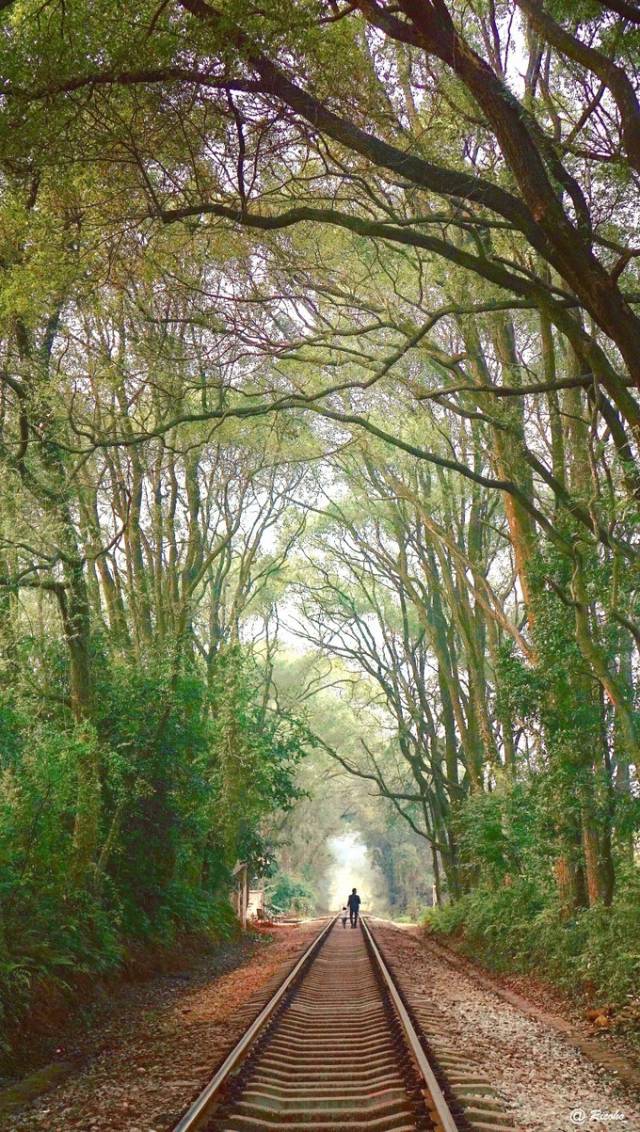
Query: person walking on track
(354, 907)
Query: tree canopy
(320, 355)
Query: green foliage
(520, 688)
(187, 781)
(519, 927)
(288, 894)
(501, 834)
(257, 752)
(48, 930)
(610, 950)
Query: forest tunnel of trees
(319, 448)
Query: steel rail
(440, 1106)
(199, 1110)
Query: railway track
(333, 1049)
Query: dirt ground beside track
(144, 1062)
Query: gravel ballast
(544, 1082)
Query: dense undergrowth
(179, 807)
(519, 843)
(520, 928)
(290, 894)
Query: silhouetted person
(354, 907)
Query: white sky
(353, 869)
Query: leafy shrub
(519, 928)
(288, 894)
(186, 778)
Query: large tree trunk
(74, 607)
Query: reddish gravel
(150, 1060)
(538, 1073)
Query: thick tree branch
(609, 73)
